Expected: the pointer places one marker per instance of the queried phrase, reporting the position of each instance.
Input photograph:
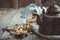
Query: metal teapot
(50, 24)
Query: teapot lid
(53, 8)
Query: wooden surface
(23, 3)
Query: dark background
(23, 3)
